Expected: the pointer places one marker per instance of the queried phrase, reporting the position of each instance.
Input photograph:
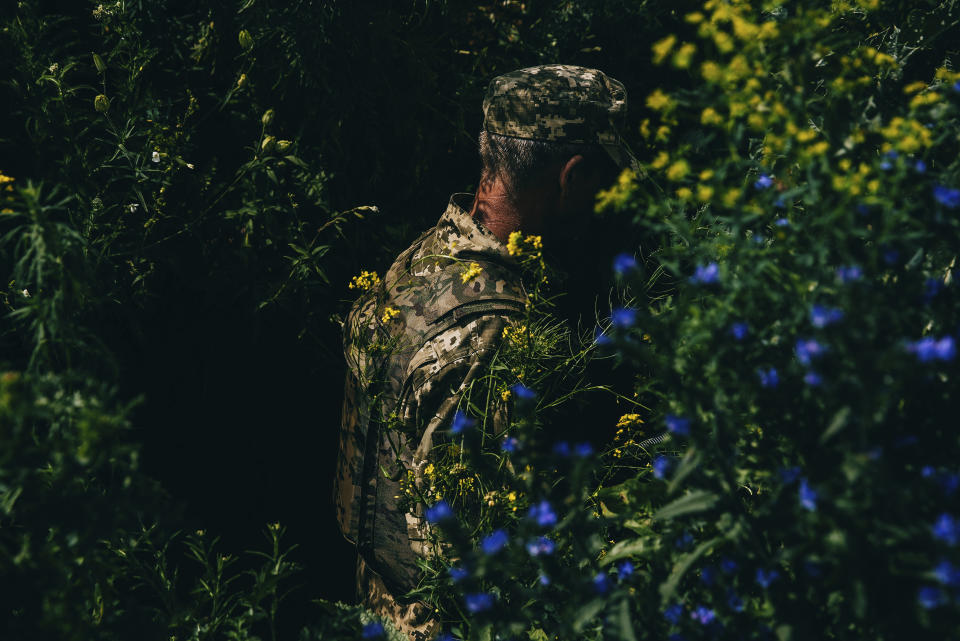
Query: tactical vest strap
(453, 317)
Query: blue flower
(583, 450)
(540, 545)
(892, 154)
(445, 636)
(623, 317)
(949, 482)
(863, 209)
(624, 264)
(703, 615)
(931, 287)
(661, 466)
(807, 349)
(543, 514)
(601, 583)
(812, 568)
(510, 444)
(930, 597)
(439, 512)
(822, 316)
(461, 422)
(849, 273)
(927, 471)
(808, 496)
(478, 602)
(945, 348)
(886, 166)
(763, 182)
(947, 529)
(373, 631)
(523, 392)
(494, 542)
(708, 575)
(812, 379)
(685, 541)
(949, 198)
(956, 85)
(765, 577)
(947, 573)
(768, 377)
(789, 474)
(928, 349)
(706, 274)
(728, 565)
(891, 256)
(782, 222)
(677, 425)
(920, 166)
(624, 570)
(739, 330)
(544, 579)
(600, 338)
(561, 448)
(673, 613)
(457, 573)
(734, 602)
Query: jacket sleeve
(449, 371)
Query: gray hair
(520, 161)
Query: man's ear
(570, 174)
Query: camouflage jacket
(413, 345)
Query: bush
(795, 334)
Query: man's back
(413, 344)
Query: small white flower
(156, 156)
(25, 293)
(132, 207)
(189, 165)
(54, 68)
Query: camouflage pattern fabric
(415, 619)
(561, 103)
(406, 374)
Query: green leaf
(696, 501)
(837, 423)
(587, 613)
(688, 464)
(623, 549)
(626, 624)
(669, 587)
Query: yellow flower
(706, 174)
(723, 41)
(711, 71)
(663, 133)
(710, 117)
(365, 281)
(806, 135)
(505, 395)
(731, 197)
(6, 179)
(645, 128)
(629, 420)
(659, 101)
(694, 18)
(684, 193)
(662, 47)
(512, 496)
(678, 170)
(704, 193)
(914, 87)
(924, 99)
(660, 161)
(389, 314)
(682, 58)
(618, 194)
(820, 148)
(471, 272)
(743, 29)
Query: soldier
(422, 336)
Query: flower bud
(268, 144)
(283, 145)
(246, 40)
(101, 103)
(242, 81)
(267, 117)
(99, 63)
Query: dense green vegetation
(188, 188)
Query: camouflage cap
(562, 103)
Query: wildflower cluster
(365, 281)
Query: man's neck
(497, 211)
